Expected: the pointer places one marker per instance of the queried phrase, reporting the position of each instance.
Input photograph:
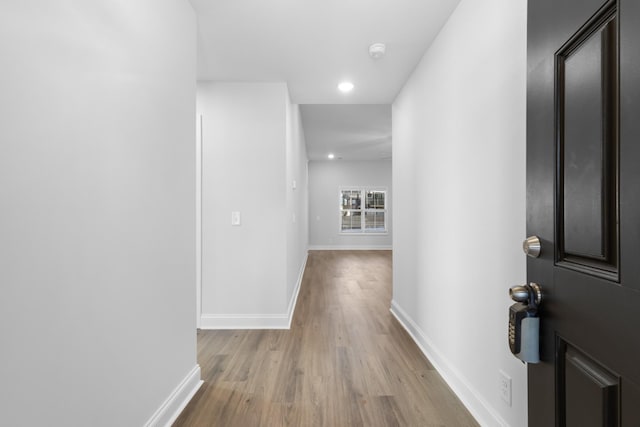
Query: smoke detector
(376, 50)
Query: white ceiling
(312, 45)
(350, 132)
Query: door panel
(587, 118)
(588, 392)
(583, 202)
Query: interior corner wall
(325, 180)
(459, 202)
(97, 258)
(296, 219)
(245, 134)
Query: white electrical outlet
(235, 218)
(504, 387)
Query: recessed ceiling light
(345, 87)
(330, 156)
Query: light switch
(294, 184)
(235, 218)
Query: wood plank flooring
(346, 361)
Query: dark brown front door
(583, 201)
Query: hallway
(346, 361)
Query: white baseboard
(481, 410)
(244, 321)
(294, 298)
(256, 321)
(350, 248)
(169, 411)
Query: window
(359, 217)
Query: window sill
(362, 233)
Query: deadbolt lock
(532, 246)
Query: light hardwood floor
(346, 361)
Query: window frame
(363, 190)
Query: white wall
(250, 156)
(97, 241)
(459, 202)
(325, 180)
(297, 191)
